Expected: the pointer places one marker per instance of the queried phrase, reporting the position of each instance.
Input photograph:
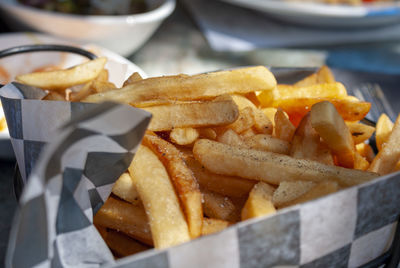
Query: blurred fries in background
(227, 146)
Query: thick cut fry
(182, 177)
(54, 96)
(184, 136)
(259, 202)
(167, 222)
(225, 185)
(85, 91)
(244, 121)
(184, 87)
(125, 217)
(123, 245)
(320, 189)
(231, 137)
(271, 167)
(219, 207)
(288, 191)
(323, 75)
(62, 79)
(243, 102)
(270, 113)
(350, 110)
(360, 132)
(204, 114)
(207, 133)
(125, 189)
(284, 129)
(365, 150)
(333, 130)
(262, 124)
(307, 144)
(387, 158)
(384, 127)
(211, 226)
(135, 77)
(360, 162)
(267, 143)
(284, 92)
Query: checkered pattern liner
(72, 178)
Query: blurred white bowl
(122, 34)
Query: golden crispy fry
(85, 91)
(267, 143)
(125, 217)
(207, 133)
(102, 86)
(204, 114)
(333, 130)
(247, 134)
(125, 189)
(184, 136)
(135, 77)
(320, 189)
(365, 150)
(259, 202)
(231, 137)
(123, 245)
(184, 87)
(360, 132)
(270, 113)
(244, 121)
(323, 75)
(284, 129)
(307, 144)
(219, 207)
(54, 96)
(360, 162)
(62, 79)
(387, 158)
(182, 177)
(288, 191)
(167, 221)
(384, 127)
(285, 92)
(242, 102)
(224, 185)
(211, 226)
(271, 167)
(262, 124)
(252, 96)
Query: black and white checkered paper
(74, 175)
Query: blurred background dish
(119, 67)
(123, 34)
(325, 14)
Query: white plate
(119, 67)
(317, 14)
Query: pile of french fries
(226, 146)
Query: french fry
(211, 226)
(135, 77)
(387, 158)
(270, 113)
(262, 124)
(244, 121)
(271, 167)
(384, 127)
(288, 191)
(123, 245)
(203, 114)
(320, 189)
(219, 207)
(224, 185)
(85, 91)
(267, 143)
(247, 134)
(125, 217)
(184, 87)
(231, 137)
(182, 177)
(307, 144)
(207, 133)
(167, 221)
(360, 162)
(259, 202)
(242, 102)
(125, 189)
(54, 96)
(284, 129)
(365, 150)
(62, 79)
(360, 132)
(333, 130)
(323, 75)
(184, 136)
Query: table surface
(178, 46)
